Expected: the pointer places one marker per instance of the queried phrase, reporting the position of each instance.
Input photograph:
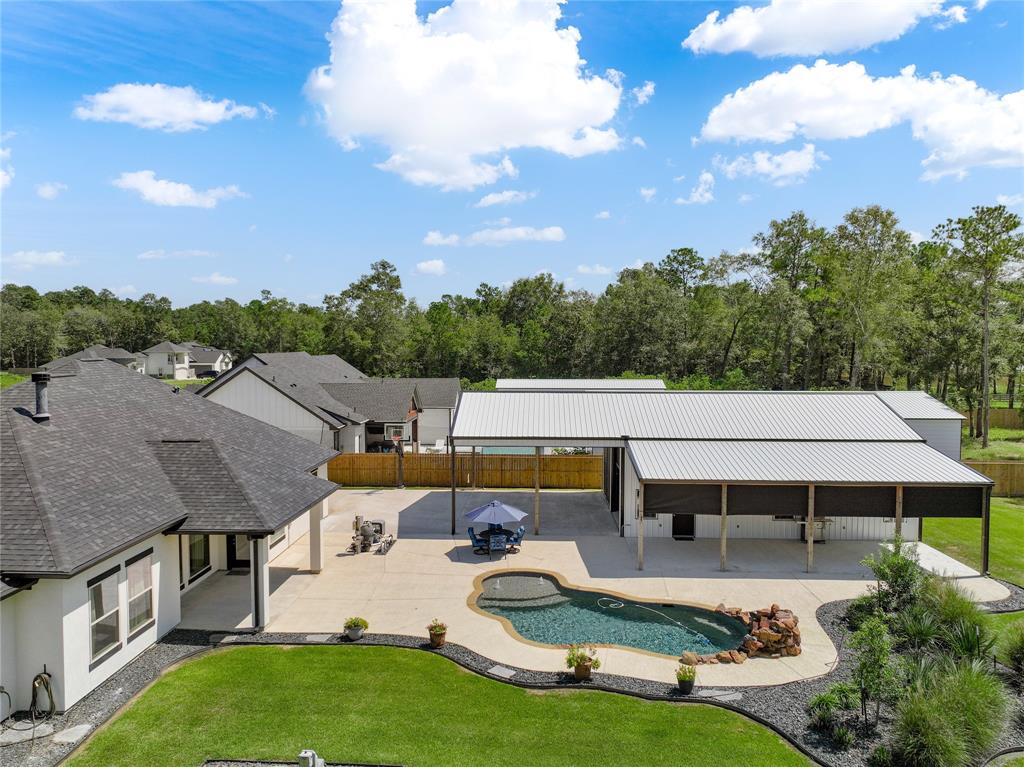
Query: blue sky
(287, 194)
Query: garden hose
(41, 682)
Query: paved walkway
(429, 574)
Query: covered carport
(803, 482)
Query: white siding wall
(353, 438)
(630, 485)
(248, 394)
(942, 434)
(433, 425)
(31, 639)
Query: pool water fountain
(542, 610)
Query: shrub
(860, 609)
(924, 736)
(580, 655)
(822, 710)
(897, 575)
(1011, 649)
(873, 672)
(880, 757)
(357, 623)
(846, 695)
(842, 737)
(916, 628)
(968, 640)
(975, 699)
(950, 603)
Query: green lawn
(961, 539)
(1003, 445)
(9, 379)
(387, 705)
(186, 381)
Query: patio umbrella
(496, 513)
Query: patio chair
(497, 543)
(516, 540)
(479, 544)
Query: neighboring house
(207, 359)
(132, 361)
(326, 400)
(169, 360)
(120, 494)
(578, 384)
(710, 464)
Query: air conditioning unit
(378, 526)
(308, 758)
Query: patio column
(986, 518)
(536, 491)
(316, 536)
(723, 530)
(809, 528)
(451, 454)
(640, 527)
(259, 580)
(472, 467)
(899, 510)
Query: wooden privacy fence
(575, 472)
(1002, 418)
(1008, 475)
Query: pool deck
(429, 574)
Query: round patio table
(486, 534)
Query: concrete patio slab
(429, 574)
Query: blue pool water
(543, 610)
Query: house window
(198, 556)
(104, 615)
(140, 593)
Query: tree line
(860, 305)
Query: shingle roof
(318, 369)
(918, 405)
(111, 468)
(878, 463)
(435, 392)
(379, 399)
(202, 353)
(96, 350)
(167, 346)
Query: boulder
(689, 659)
(737, 656)
(724, 657)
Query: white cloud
(215, 278)
(434, 237)
(648, 192)
(677, 179)
(811, 27)
(27, 260)
(638, 141)
(464, 85)
(915, 236)
(955, 14)
(510, 234)
(124, 290)
(508, 197)
(702, 193)
(50, 190)
(603, 215)
(160, 254)
(168, 108)
(962, 125)
(744, 198)
(595, 269)
(1010, 200)
(268, 111)
(173, 193)
(643, 94)
(979, 5)
(6, 170)
(781, 169)
(434, 266)
(503, 221)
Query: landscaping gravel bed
(1012, 603)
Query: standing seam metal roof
(707, 415)
(578, 384)
(918, 405)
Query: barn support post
(536, 491)
(986, 518)
(723, 530)
(451, 452)
(810, 528)
(899, 510)
(639, 506)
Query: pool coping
(478, 590)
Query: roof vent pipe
(42, 380)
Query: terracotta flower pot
(582, 672)
(437, 640)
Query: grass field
(1004, 445)
(394, 706)
(186, 381)
(9, 379)
(961, 539)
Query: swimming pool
(541, 609)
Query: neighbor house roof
(167, 346)
(379, 399)
(96, 350)
(318, 368)
(124, 457)
(202, 353)
(918, 405)
(604, 417)
(578, 384)
(762, 462)
(435, 392)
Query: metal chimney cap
(40, 377)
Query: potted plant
(582, 660)
(355, 627)
(686, 676)
(437, 631)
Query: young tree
(873, 672)
(986, 245)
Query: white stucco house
(121, 494)
(169, 360)
(208, 359)
(324, 399)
